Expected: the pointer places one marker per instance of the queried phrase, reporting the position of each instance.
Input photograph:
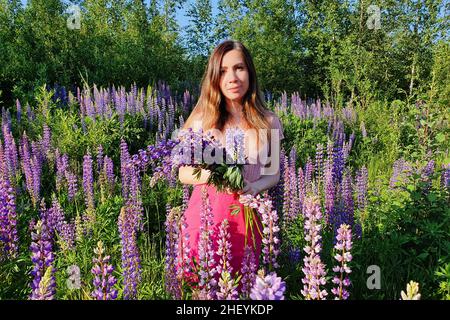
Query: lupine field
(91, 209)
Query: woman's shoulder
(194, 121)
(273, 119)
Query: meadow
(361, 209)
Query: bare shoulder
(272, 118)
(194, 121)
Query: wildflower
(268, 287)
(104, 281)
(343, 247)
(412, 291)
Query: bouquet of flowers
(225, 164)
(200, 151)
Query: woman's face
(234, 77)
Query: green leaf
(440, 137)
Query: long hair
(211, 103)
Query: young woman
(230, 97)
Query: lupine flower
(131, 263)
(347, 200)
(104, 281)
(124, 159)
(329, 190)
(401, 170)
(207, 269)
(270, 234)
(412, 291)
(313, 269)
(171, 280)
(8, 221)
(88, 182)
(295, 200)
(183, 262)
(343, 256)
(338, 164)
(43, 284)
(268, 287)
(287, 189)
(32, 169)
(227, 285)
(319, 162)
(19, 110)
(361, 188)
(309, 171)
(426, 174)
(62, 165)
(99, 158)
(72, 184)
(269, 221)
(445, 178)
(248, 271)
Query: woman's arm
(186, 175)
(260, 185)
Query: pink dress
(220, 203)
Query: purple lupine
(31, 169)
(72, 185)
(426, 173)
(207, 269)
(172, 283)
(108, 173)
(54, 217)
(124, 159)
(67, 233)
(131, 262)
(99, 158)
(361, 188)
(309, 171)
(8, 221)
(319, 163)
(43, 284)
(268, 287)
(343, 247)
(338, 164)
(183, 262)
(329, 191)
(347, 199)
(401, 171)
(134, 200)
(104, 280)
(287, 189)
(62, 165)
(19, 110)
(270, 239)
(301, 188)
(445, 177)
(88, 182)
(227, 285)
(248, 270)
(313, 268)
(10, 154)
(295, 200)
(30, 113)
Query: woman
(230, 97)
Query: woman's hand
(249, 188)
